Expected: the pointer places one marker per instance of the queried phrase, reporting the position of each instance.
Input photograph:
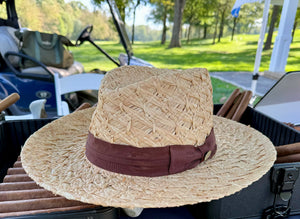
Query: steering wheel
(84, 35)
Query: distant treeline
(70, 17)
(202, 19)
(66, 18)
(145, 33)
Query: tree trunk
(275, 14)
(205, 31)
(164, 32)
(178, 13)
(294, 29)
(199, 32)
(221, 25)
(188, 34)
(185, 35)
(233, 28)
(132, 31)
(133, 25)
(216, 28)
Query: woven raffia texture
(150, 107)
(55, 158)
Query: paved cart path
(244, 80)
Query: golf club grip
(25, 194)
(288, 158)
(15, 170)
(36, 204)
(18, 186)
(242, 106)
(235, 105)
(19, 198)
(18, 164)
(8, 101)
(17, 178)
(288, 149)
(227, 105)
(32, 212)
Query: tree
(165, 28)
(295, 24)
(161, 14)
(121, 4)
(216, 25)
(192, 15)
(207, 15)
(197, 12)
(29, 11)
(69, 18)
(178, 13)
(248, 15)
(223, 11)
(135, 5)
(234, 26)
(138, 2)
(274, 19)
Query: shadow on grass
(251, 43)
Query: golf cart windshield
(125, 59)
(120, 27)
(128, 59)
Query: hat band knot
(150, 162)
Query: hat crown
(150, 107)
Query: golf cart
(38, 82)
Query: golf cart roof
(12, 18)
(119, 23)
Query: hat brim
(54, 157)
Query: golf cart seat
(9, 50)
(75, 68)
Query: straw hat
(114, 154)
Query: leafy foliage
(57, 16)
(121, 4)
(145, 33)
(202, 18)
(162, 13)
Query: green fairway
(236, 55)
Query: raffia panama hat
(152, 141)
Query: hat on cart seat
(151, 141)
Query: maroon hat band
(159, 161)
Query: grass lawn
(236, 55)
